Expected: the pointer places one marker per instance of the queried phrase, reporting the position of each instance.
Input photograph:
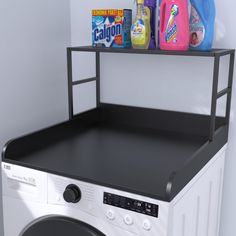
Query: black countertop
(110, 147)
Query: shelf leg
(230, 86)
(98, 78)
(70, 85)
(214, 96)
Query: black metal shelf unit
(214, 53)
(115, 145)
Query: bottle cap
(140, 2)
(151, 3)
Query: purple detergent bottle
(152, 4)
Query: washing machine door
(60, 226)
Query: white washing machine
(36, 203)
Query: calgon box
(111, 28)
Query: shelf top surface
(211, 53)
(134, 160)
(121, 147)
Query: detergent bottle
(202, 21)
(152, 4)
(174, 25)
(141, 29)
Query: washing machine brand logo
(7, 167)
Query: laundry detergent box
(111, 28)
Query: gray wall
(33, 87)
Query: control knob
(72, 194)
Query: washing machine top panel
(60, 226)
(148, 152)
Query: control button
(72, 194)
(128, 220)
(146, 225)
(111, 215)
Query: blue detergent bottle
(202, 24)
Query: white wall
(173, 83)
(33, 89)
(33, 80)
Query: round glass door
(60, 226)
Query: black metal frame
(215, 53)
(216, 95)
(72, 83)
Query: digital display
(131, 204)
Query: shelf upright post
(70, 83)
(214, 96)
(230, 86)
(98, 78)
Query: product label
(171, 29)
(197, 29)
(138, 32)
(111, 28)
(107, 30)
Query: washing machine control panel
(130, 204)
(135, 214)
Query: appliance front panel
(29, 195)
(133, 213)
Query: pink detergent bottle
(174, 25)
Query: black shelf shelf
(150, 152)
(212, 53)
(216, 54)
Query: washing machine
(37, 203)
